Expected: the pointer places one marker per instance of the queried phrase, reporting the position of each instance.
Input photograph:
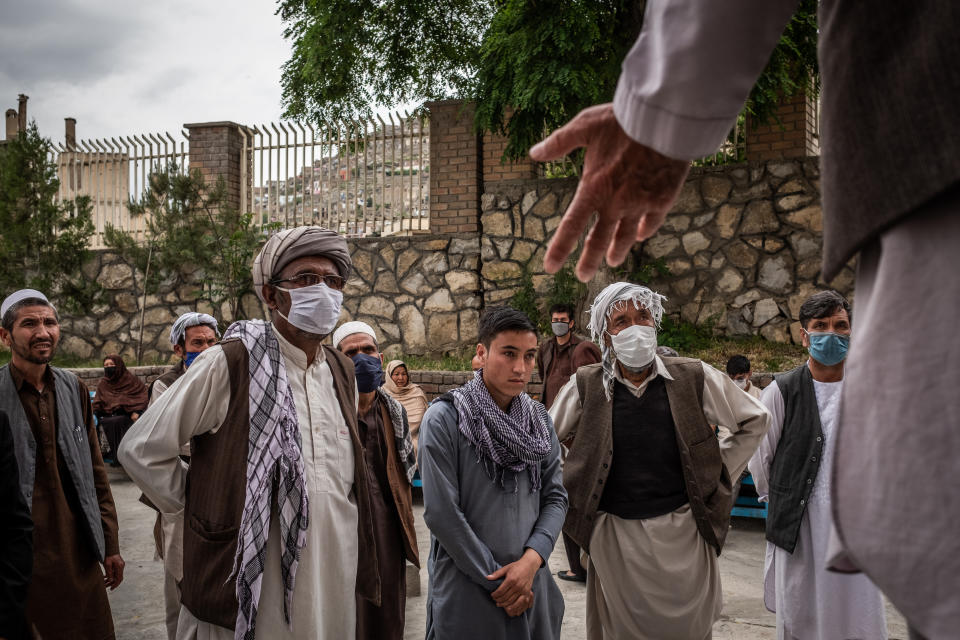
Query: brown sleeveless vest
(216, 488)
(588, 463)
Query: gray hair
(618, 295)
(823, 304)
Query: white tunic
(324, 605)
(811, 602)
(657, 578)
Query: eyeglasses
(311, 279)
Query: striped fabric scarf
(401, 433)
(274, 459)
(512, 441)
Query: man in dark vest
(791, 470)
(16, 541)
(278, 535)
(391, 465)
(648, 478)
(891, 192)
(191, 334)
(558, 359)
(62, 477)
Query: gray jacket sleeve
(690, 71)
(441, 496)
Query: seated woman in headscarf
(120, 399)
(410, 395)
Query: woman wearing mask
(120, 399)
(410, 395)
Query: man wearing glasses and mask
(278, 538)
(648, 478)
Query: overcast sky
(122, 68)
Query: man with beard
(62, 477)
(278, 536)
(649, 480)
(492, 496)
(391, 463)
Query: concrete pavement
(138, 603)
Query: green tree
(190, 229)
(544, 59)
(43, 242)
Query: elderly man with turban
(648, 478)
(191, 334)
(278, 537)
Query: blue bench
(746, 505)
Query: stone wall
(741, 246)
(420, 293)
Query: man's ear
(179, 351)
(5, 336)
(270, 296)
(481, 351)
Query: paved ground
(138, 603)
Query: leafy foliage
(189, 227)
(530, 65)
(525, 299)
(565, 288)
(43, 243)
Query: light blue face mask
(828, 348)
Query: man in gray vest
(791, 469)
(891, 192)
(62, 477)
(648, 478)
(191, 334)
(278, 536)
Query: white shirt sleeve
(196, 403)
(760, 463)
(690, 71)
(566, 410)
(742, 417)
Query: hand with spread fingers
(630, 186)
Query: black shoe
(565, 575)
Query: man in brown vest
(278, 536)
(391, 464)
(648, 478)
(191, 334)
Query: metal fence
(365, 178)
(112, 171)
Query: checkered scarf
(274, 460)
(401, 433)
(503, 441)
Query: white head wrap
(613, 296)
(17, 296)
(191, 319)
(350, 328)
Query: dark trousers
(115, 427)
(573, 556)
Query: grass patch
(71, 361)
(700, 342)
(446, 363)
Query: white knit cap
(17, 296)
(350, 328)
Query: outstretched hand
(629, 185)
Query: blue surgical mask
(191, 356)
(369, 371)
(828, 348)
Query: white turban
(191, 319)
(350, 328)
(19, 296)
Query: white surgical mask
(635, 346)
(560, 329)
(314, 309)
(742, 383)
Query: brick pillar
(494, 169)
(454, 168)
(215, 150)
(794, 136)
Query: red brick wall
(791, 137)
(454, 184)
(215, 150)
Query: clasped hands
(515, 593)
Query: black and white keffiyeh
(274, 459)
(401, 433)
(513, 441)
